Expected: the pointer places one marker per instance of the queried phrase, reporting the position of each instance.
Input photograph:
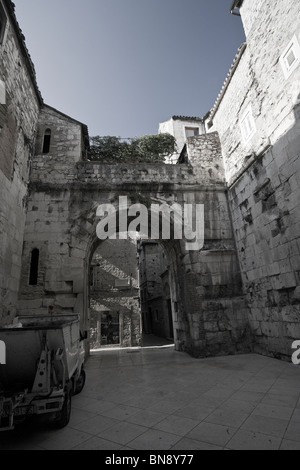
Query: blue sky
(123, 66)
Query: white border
(248, 111)
(294, 45)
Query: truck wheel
(65, 414)
(80, 382)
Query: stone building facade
(51, 271)
(20, 101)
(240, 291)
(257, 117)
(181, 127)
(62, 222)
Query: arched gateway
(206, 298)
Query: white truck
(44, 367)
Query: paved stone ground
(159, 399)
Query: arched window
(47, 140)
(34, 267)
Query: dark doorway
(34, 267)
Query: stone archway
(175, 252)
(121, 284)
(208, 306)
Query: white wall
(177, 128)
(260, 83)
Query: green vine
(148, 148)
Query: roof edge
(83, 126)
(10, 8)
(228, 79)
(187, 118)
(45, 105)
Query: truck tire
(65, 414)
(80, 382)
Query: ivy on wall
(148, 148)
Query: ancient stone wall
(19, 109)
(177, 126)
(60, 279)
(259, 94)
(62, 221)
(257, 118)
(266, 216)
(204, 153)
(66, 138)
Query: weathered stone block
(65, 301)
(293, 330)
(58, 287)
(30, 304)
(79, 307)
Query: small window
(247, 124)
(191, 131)
(3, 21)
(34, 267)
(2, 93)
(290, 59)
(47, 141)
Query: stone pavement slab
(160, 399)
